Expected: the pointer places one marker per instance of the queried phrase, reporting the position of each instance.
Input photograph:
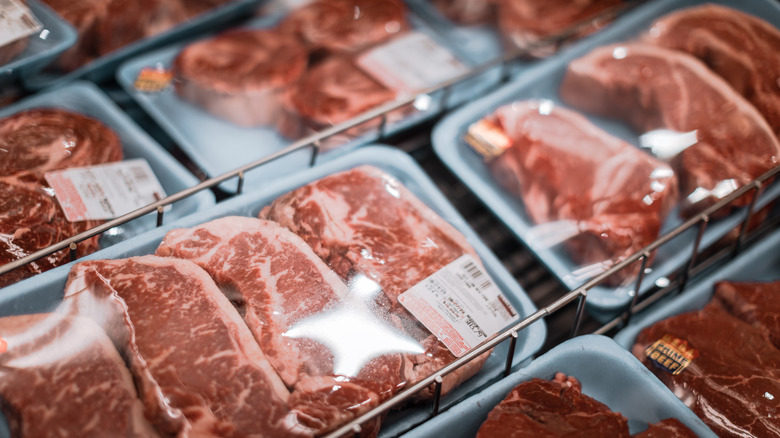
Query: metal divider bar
(748, 216)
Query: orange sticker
(3, 346)
(488, 139)
(153, 79)
(671, 354)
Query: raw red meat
(611, 195)
(467, 11)
(669, 428)
(45, 139)
(282, 288)
(542, 408)
(732, 384)
(652, 88)
(525, 22)
(347, 25)
(330, 93)
(11, 50)
(239, 75)
(188, 348)
(52, 358)
(754, 303)
(369, 228)
(30, 220)
(739, 47)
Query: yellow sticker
(153, 79)
(488, 139)
(671, 354)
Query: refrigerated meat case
(562, 309)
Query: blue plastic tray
(218, 146)
(103, 68)
(761, 262)
(86, 98)
(542, 82)
(608, 373)
(46, 293)
(55, 37)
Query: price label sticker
(411, 63)
(153, 79)
(460, 304)
(105, 191)
(16, 22)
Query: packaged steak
(240, 76)
(558, 407)
(602, 197)
(721, 360)
(739, 47)
(33, 142)
(716, 140)
(106, 25)
(13, 41)
(49, 357)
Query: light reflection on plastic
(391, 187)
(619, 52)
(353, 333)
(721, 189)
(648, 200)
(665, 143)
(392, 27)
(662, 282)
(546, 107)
(422, 102)
(768, 396)
(44, 34)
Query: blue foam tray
(86, 98)
(42, 48)
(103, 67)
(46, 293)
(542, 82)
(607, 372)
(218, 146)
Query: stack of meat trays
(245, 94)
(49, 36)
(587, 386)
(286, 311)
(617, 140)
(111, 31)
(486, 30)
(728, 321)
(75, 126)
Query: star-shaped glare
(353, 333)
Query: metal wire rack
(698, 263)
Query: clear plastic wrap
(49, 357)
(653, 88)
(237, 326)
(604, 198)
(720, 360)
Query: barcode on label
(28, 22)
(475, 272)
(140, 174)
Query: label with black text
(460, 304)
(16, 21)
(105, 191)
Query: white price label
(105, 191)
(459, 304)
(410, 63)
(16, 21)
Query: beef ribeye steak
(739, 47)
(555, 407)
(281, 288)
(731, 381)
(62, 376)
(564, 168)
(188, 348)
(346, 25)
(44, 139)
(239, 75)
(366, 225)
(756, 303)
(653, 88)
(30, 220)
